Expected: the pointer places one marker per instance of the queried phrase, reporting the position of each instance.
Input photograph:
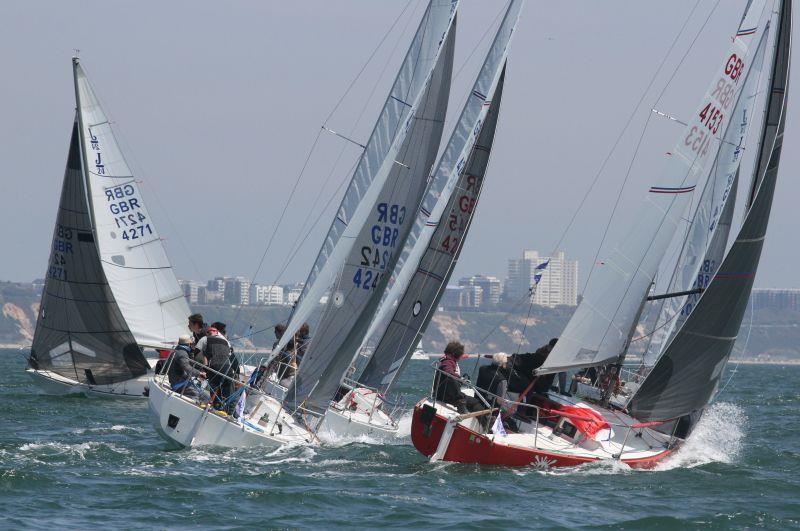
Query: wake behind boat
(109, 289)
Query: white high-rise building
(559, 283)
(266, 294)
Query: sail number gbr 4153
(712, 115)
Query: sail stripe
(478, 94)
(422, 209)
(742, 33)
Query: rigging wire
(311, 151)
(615, 145)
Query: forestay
(687, 375)
(80, 332)
(372, 238)
(599, 331)
(443, 219)
(131, 252)
(707, 237)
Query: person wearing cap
(447, 381)
(180, 367)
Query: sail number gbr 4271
(383, 240)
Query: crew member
(180, 368)
(447, 380)
(216, 349)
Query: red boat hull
(467, 446)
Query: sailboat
(646, 427)
(352, 269)
(109, 289)
(442, 224)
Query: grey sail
(687, 375)
(419, 302)
(80, 332)
(409, 304)
(371, 244)
(599, 331)
(706, 240)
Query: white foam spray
(716, 438)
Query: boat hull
(469, 446)
(55, 384)
(184, 423)
(353, 425)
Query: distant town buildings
(559, 283)
(489, 289)
(778, 299)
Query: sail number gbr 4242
(383, 240)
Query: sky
(217, 105)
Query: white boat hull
(357, 415)
(55, 384)
(185, 422)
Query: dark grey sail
(80, 332)
(687, 375)
(419, 302)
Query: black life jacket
(217, 352)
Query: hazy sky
(218, 104)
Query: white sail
(133, 256)
(599, 331)
(705, 245)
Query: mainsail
(687, 375)
(599, 331)
(444, 217)
(80, 332)
(706, 241)
(356, 269)
(131, 252)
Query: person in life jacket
(216, 349)
(180, 369)
(447, 380)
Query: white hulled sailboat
(109, 289)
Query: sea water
(79, 463)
